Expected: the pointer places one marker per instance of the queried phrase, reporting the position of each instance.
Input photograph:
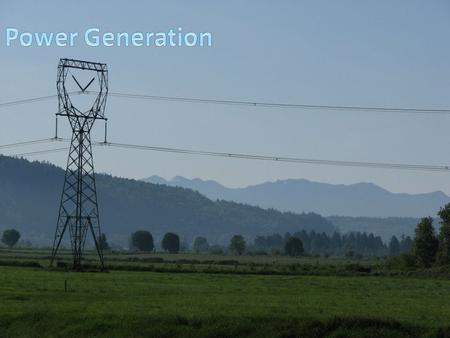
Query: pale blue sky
(377, 52)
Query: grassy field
(128, 256)
(191, 262)
(198, 295)
(34, 303)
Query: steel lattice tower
(78, 210)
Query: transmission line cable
(25, 143)
(406, 110)
(32, 100)
(38, 152)
(33, 142)
(421, 167)
(381, 165)
(410, 110)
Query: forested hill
(384, 227)
(30, 193)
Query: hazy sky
(378, 52)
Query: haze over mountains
(300, 195)
(30, 193)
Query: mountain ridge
(362, 199)
(30, 193)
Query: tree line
(430, 248)
(316, 243)
(299, 243)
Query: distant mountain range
(30, 193)
(299, 195)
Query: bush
(142, 240)
(294, 246)
(403, 262)
(10, 237)
(237, 244)
(200, 244)
(171, 242)
(358, 268)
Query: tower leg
(78, 208)
(59, 233)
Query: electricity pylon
(78, 210)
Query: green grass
(43, 254)
(191, 262)
(33, 303)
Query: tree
(394, 246)
(142, 240)
(405, 244)
(237, 244)
(306, 239)
(425, 243)
(260, 242)
(200, 244)
(286, 237)
(443, 255)
(103, 243)
(294, 246)
(336, 241)
(171, 242)
(10, 237)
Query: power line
(409, 110)
(33, 142)
(380, 165)
(39, 152)
(32, 100)
(405, 110)
(400, 166)
(25, 143)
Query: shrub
(294, 246)
(237, 244)
(171, 242)
(142, 240)
(10, 237)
